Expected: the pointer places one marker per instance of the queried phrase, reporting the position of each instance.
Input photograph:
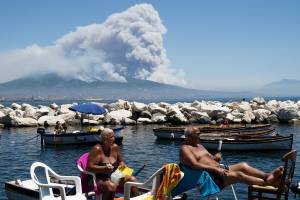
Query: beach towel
(192, 178)
(171, 177)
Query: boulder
(258, 100)
(146, 114)
(244, 106)
(23, 122)
(216, 114)
(261, 115)
(16, 106)
(163, 104)
(272, 119)
(159, 118)
(64, 109)
(1, 106)
(51, 120)
(154, 108)
(118, 105)
(6, 110)
(248, 116)
(115, 117)
(177, 119)
(138, 107)
(54, 106)
(287, 113)
(142, 120)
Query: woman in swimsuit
(104, 158)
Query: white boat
(25, 190)
(76, 137)
(277, 142)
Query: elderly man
(196, 157)
(104, 158)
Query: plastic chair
(155, 180)
(257, 191)
(86, 188)
(40, 174)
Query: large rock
(142, 120)
(272, 119)
(6, 110)
(54, 106)
(16, 106)
(138, 107)
(118, 105)
(288, 113)
(51, 120)
(258, 100)
(244, 106)
(154, 108)
(248, 116)
(159, 118)
(115, 117)
(261, 115)
(216, 114)
(146, 114)
(64, 109)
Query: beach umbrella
(88, 108)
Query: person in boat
(194, 156)
(104, 159)
(58, 128)
(64, 127)
(224, 123)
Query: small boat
(28, 190)
(277, 142)
(216, 128)
(243, 133)
(76, 137)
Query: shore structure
(124, 112)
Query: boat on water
(178, 134)
(277, 142)
(76, 137)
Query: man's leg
(233, 177)
(248, 170)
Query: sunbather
(196, 157)
(104, 158)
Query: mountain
(284, 87)
(52, 86)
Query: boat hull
(17, 192)
(179, 135)
(268, 143)
(74, 138)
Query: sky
(212, 45)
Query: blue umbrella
(88, 108)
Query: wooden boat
(277, 142)
(214, 128)
(244, 133)
(75, 137)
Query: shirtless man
(195, 156)
(104, 158)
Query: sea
(20, 147)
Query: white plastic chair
(45, 186)
(155, 180)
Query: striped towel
(171, 177)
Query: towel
(192, 178)
(171, 177)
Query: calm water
(139, 147)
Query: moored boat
(244, 133)
(76, 137)
(277, 142)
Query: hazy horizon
(224, 46)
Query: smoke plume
(127, 45)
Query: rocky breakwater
(202, 112)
